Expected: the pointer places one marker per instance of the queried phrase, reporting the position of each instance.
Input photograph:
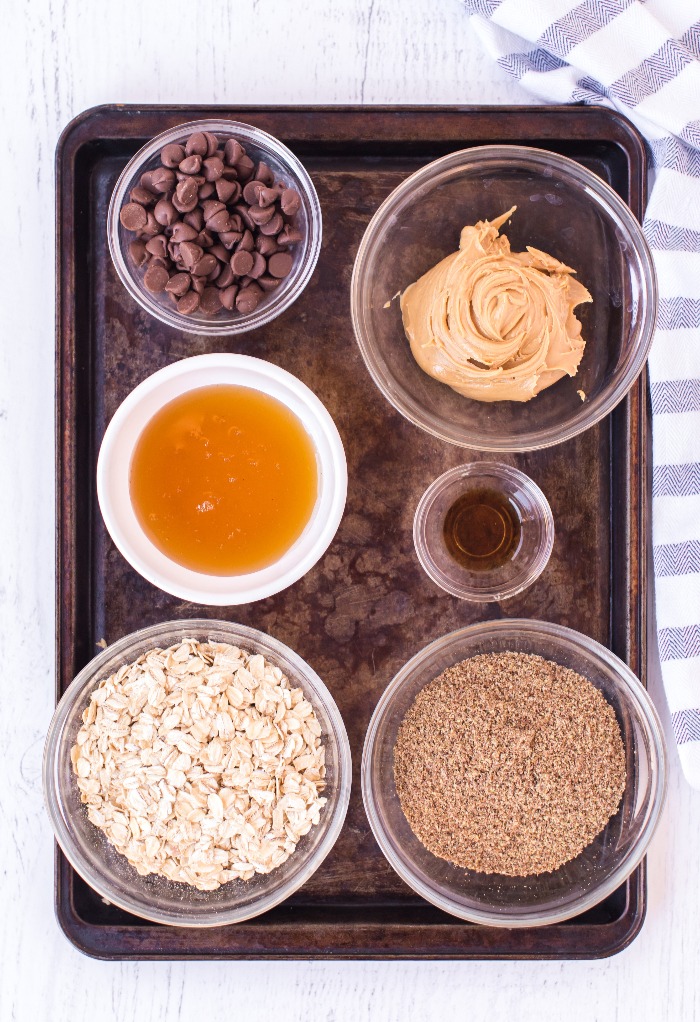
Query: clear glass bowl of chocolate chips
(214, 227)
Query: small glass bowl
(529, 558)
(603, 866)
(285, 166)
(154, 897)
(563, 209)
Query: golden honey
(224, 479)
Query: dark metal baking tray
(366, 607)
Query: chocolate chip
(233, 151)
(227, 191)
(172, 155)
(198, 284)
(197, 144)
(268, 196)
(191, 164)
(179, 284)
(185, 196)
(211, 300)
(205, 238)
(165, 213)
(273, 226)
(137, 251)
(205, 265)
(230, 238)
(214, 274)
(211, 207)
(245, 167)
(260, 215)
(280, 264)
(183, 232)
(264, 174)
(142, 196)
(289, 235)
(213, 168)
(212, 142)
(152, 226)
(156, 277)
(252, 191)
(225, 278)
(268, 283)
(228, 296)
(195, 219)
(190, 253)
(220, 252)
(146, 181)
(248, 299)
(290, 201)
(162, 179)
(206, 191)
(189, 303)
(246, 244)
(265, 246)
(158, 247)
(133, 216)
(241, 263)
(242, 212)
(259, 266)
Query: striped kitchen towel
(643, 59)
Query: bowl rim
(266, 311)
(616, 389)
(466, 471)
(333, 482)
(82, 683)
(659, 770)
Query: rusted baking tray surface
(366, 607)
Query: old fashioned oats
(201, 763)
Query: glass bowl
(562, 209)
(603, 866)
(286, 167)
(153, 897)
(534, 546)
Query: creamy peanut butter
(495, 325)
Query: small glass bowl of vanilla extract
(483, 532)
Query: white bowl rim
(198, 587)
(647, 710)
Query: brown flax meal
(509, 763)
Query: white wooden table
(57, 58)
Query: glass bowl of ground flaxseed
(514, 773)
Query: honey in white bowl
(224, 479)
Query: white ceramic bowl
(114, 463)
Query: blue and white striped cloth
(643, 59)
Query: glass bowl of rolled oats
(197, 773)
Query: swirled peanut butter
(495, 325)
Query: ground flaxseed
(509, 763)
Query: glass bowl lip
(86, 678)
(605, 197)
(522, 581)
(633, 687)
(267, 311)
